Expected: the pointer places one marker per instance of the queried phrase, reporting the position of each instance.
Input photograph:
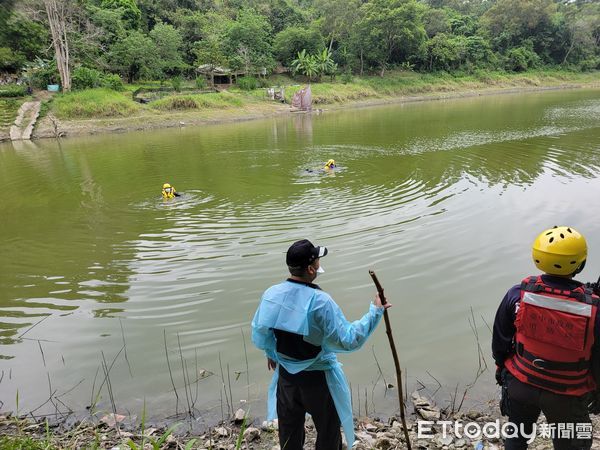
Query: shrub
(294, 39)
(520, 59)
(346, 77)
(247, 83)
(590, 64)
(200, 82)
(86, 78)
(113, 81)
(12, 90)
(483, 76)
(41, 73)
(177, 102)
(176, 83)
(10, 60)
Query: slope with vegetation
(105, 48)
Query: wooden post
(388, 331)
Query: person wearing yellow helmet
(330, 164)
(169, 191)
(544, 344)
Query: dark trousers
(294, 400)
(525, 402)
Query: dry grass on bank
(199, 101)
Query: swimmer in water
(169, 191)
(330, 164)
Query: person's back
(544, 339)
(300, 328)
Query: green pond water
(442, 199)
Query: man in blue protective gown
(300, 328)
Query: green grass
(407, 83)
(93, 103)
(12, 90)
(8, 113)
(23, 443)
(200, 101)
(105, 103)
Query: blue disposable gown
(312, 313)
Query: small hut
(219, 76)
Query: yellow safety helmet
(166, 186)
(560, 251)
(330, 163)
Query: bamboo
(388, 331)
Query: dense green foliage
(165, 39)
(247, 83)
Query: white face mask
(320, 269)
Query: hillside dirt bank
(49, 127)
(473, 429)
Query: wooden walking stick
(388, 331)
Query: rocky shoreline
(429, 428)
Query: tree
(581, 35)
(305, 64)
(510, 22)
(25, 38)
(168, 42)
(436, 21)
(134, 56)
(210, 50)
(391, 31)
(110, 22)
(280, 14)
(519, 59)
(337, 18)
(58, 12)
(314, 65)
(478, 51)
(130, 13)
(292, 40)
(72, 33)
(190, 25)
(9, 60)
(445, 52)
(324, 63)
(249, 42)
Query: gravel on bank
(429, 428)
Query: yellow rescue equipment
(168, 191)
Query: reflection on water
(442, 199)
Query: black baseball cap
(303, 253)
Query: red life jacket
(554, 338)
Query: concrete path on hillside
(25, 121)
